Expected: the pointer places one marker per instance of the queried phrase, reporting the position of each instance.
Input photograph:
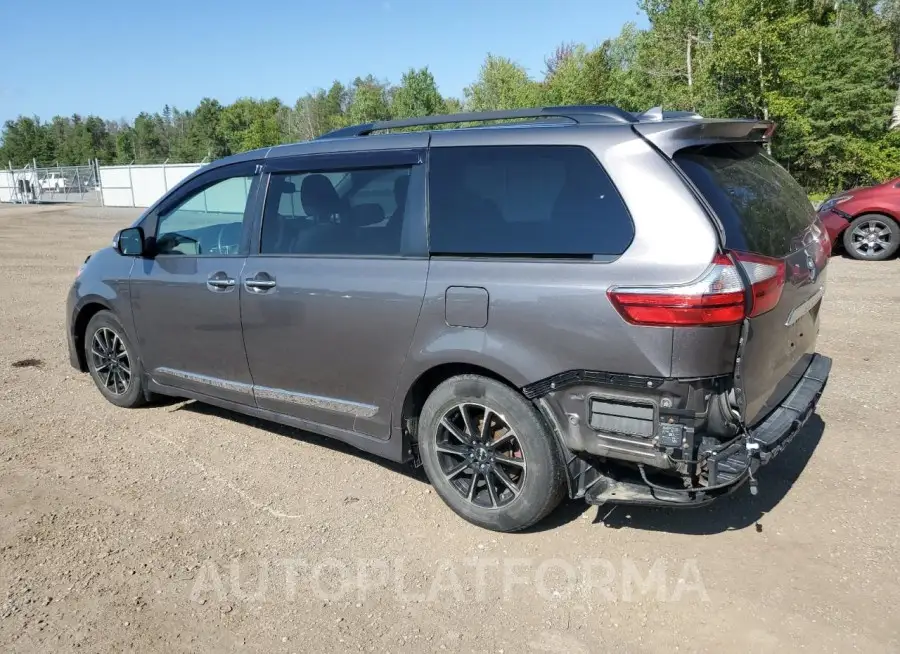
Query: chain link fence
(33, 184)
(111, 186)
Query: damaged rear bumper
(731, 467)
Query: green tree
(579, 76)
(753, 54)
(453, 105)
(502, 84)
(417, 95)
(336, 101)
(149, 143)
(627, 84)
(249, 124)
(25, 139)
(845, 85)
(317, 113)
(369, 101)
(125, 152)
(670, 61)
(204, 135)
(60, 133)
(891, 14)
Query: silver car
(572, 301)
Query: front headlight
(831, 203)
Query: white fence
(7, 186)
(140, 186)
(117, 186)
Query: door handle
(219, 281)
(259, 283)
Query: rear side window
(763, 209)
(350, 212)
(547, 201)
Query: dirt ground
(186, 528)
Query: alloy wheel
(480, 455)
(871, 237)
(110, 361)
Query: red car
(865, 220)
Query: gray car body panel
(342, 328)
(102, 285)
(188, 335)
(671, 136)
(338, 345)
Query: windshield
(762, 208)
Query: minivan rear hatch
(763, 211)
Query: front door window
(207, 223)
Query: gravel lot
(186, 528)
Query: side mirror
(130, 242)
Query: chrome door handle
(259, 284)
(219, 282)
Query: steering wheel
(168, 242)
(223, 248)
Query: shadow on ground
(737, 511)
(417, 474)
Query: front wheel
(112, 362)
(872, 237)
(489, 454)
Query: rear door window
(350, 212)
(524, 201)
(762, 208)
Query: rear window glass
(763, 209)
(553, 201)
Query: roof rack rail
(577, 114)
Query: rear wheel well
(429, 380)
(879, 214)
(87, 312)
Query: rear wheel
(489, 455)
(872, 237)
(112, 362)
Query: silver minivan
(577, 301)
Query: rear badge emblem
(811, 264)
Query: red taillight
(716, 299)
(767, 278)
(827, 245)
(823, 241)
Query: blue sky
(115, 59)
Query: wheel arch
(881, 213)
(423, 385)
(91, 308)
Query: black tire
(109, 380)
(533, 462)
(885, 230)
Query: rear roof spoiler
(671, 136)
